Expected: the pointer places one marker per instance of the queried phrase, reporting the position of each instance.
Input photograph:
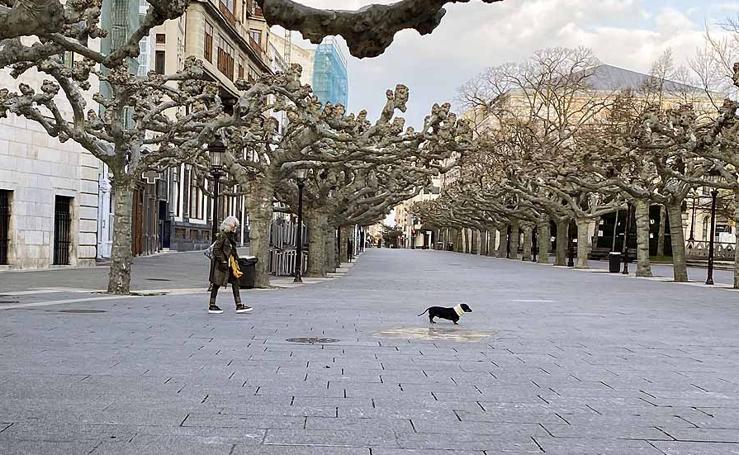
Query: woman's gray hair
(228, 223)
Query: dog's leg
(455, 321)
(431, 319)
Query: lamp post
(570, 246)
(625, 246)
(709, 279)
(301, 174)
(691, 238)
(216, 150)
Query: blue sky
(474, 35)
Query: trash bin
(614, 262)
(249, 270)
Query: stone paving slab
(549, 361)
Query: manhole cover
(10, 301)
(78, 311)
(158, 279)
(312, 340)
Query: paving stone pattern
(568, 363)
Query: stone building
(231, 38)
(48, 194)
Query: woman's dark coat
(224, 247)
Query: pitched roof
(613, 78)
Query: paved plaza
(551, 360)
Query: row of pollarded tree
(358, 169)
(554, 148)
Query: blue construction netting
(330, 77)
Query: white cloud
(474, 35)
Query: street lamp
(625, 246)
(216, 150)
(300, 174)
(713, 177)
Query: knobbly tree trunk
(259, 206)
(515, 239)
(661, 233)
(527, 231)
(317, 223)
(492, 232)
(544, 242)
(330, 239)
(677, 236)
(344, 244)
(503, 243)
(121, 256)
(583, 248)
(563, 227)
(643, 265)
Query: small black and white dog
(453, 314)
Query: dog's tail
(427, 309)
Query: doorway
(62, 230)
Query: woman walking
(225, 266)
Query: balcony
(228, 14)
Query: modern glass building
(330, 77)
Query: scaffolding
(330, 77)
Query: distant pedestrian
(225, 266)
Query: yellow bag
(234, 264)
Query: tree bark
(661, 234)
(544, 241)
(503, 241)
(677, 237)
(583, 249)
(527, 235)
(563, 227)
(515, 239)
(259, 207)
(121, 256)
(344, 244)
(317, 223)
(643, 265)
(330, 239)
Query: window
(161, 38)
(225, 57)
(241, 68)
(143, 57)
(159, 62)
(176, 190)
(256, 35)
(208, 51)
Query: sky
(475, 35)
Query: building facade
(330, 74)
(48, 192)
(231, 38)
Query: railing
(698, 249)
(282, 237)
(228, 14)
